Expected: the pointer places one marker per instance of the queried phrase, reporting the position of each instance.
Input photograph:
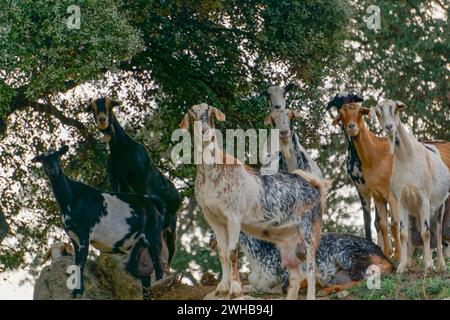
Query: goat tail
(324, 185)
(158, 203)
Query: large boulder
(104, 279)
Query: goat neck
(118, 137)
(403, 143)
(61, 190)
(364, 143)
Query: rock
(104, 279)
(208, 279)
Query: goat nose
(388, 126)
(352, 126)
(277, 106)
(284, 133)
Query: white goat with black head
(284, 208)
(420, 182)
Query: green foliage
(413, 285)
(160, 57)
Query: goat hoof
(77, 293)
(401, 268)
(222, 289)
(429, 267)
(235, 289)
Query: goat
(354, 165)
(376, 169)
(443, 147)
(420, 182)
(110, 222)
(342, 261)
(285, 208)
(58, 250)
(264, 256)
(130, 168)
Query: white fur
(418, 173)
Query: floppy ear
(185, 122)
(336, 120)
(289, 87)
(37, 159)
(364, 111)
(399, 105)
(220, 116)
(294, 114)
(357, 98)
(268, 120)
(63, 150)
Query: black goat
(130, 168)
(110, 222)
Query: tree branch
(55, 112)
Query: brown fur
(377, 163)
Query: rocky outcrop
(104, 279)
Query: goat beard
(391, 139)
(285, 150)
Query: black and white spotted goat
(111, 222)
(130, 169)
(354, 165)
(264, 258)
(341, 261)
(285, 208)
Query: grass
(412, 285)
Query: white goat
(420, 182)
(285, 208)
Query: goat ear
(336, 120)
(37, 159)
(364, 111)
(399, 105)
(294, 114)
(289, 87)
(220, 116)
(89, 107)
(63, 150)
(185, 122)
(357, 98)
(268, 120)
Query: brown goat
(376, 163)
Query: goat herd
(279, 214)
